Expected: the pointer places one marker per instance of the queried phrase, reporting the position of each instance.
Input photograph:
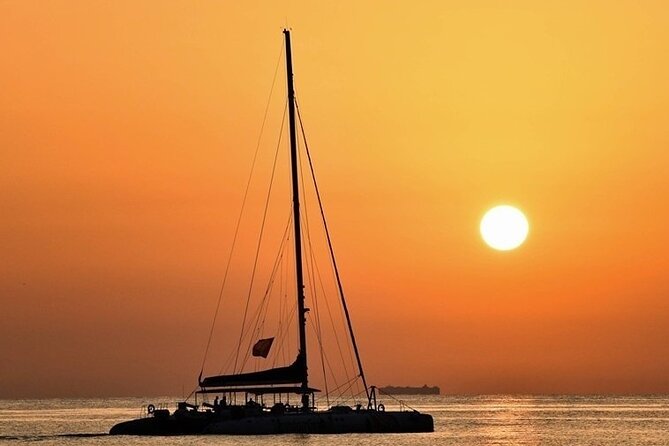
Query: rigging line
(344, 384)
(349, 384)
(355, 397)
(284, 331)
(324, 359)
(262, 228)
(311, 266)
(316, 322)
(313, 271)
(261, 313)
(401, 402)
(345, 363)
(241, 212)
(282, 304)
(319, 332)
(344, 396)
(316, 269)
(342, 315)
(280, 254)
(286, 312)
(281, 301)
(258, 310)
(332, 256)
(262, 308)
(332, 324)
(270, 285)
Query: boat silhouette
(252, 416)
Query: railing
(144, 410)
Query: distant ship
(242, 408)
(409, 390)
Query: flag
(261, 348)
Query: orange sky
(126, 134)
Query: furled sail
(292, 374)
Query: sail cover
(293, 374)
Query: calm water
(463, 421)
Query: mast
(301, 310)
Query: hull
(329, 422)
(177, 424)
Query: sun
(504, 228)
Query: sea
(459, 420)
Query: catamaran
(241, 408)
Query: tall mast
(301, 310)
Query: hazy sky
(127, 130)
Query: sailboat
(253, 416)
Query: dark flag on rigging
(261, 348)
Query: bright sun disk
(504, 228)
